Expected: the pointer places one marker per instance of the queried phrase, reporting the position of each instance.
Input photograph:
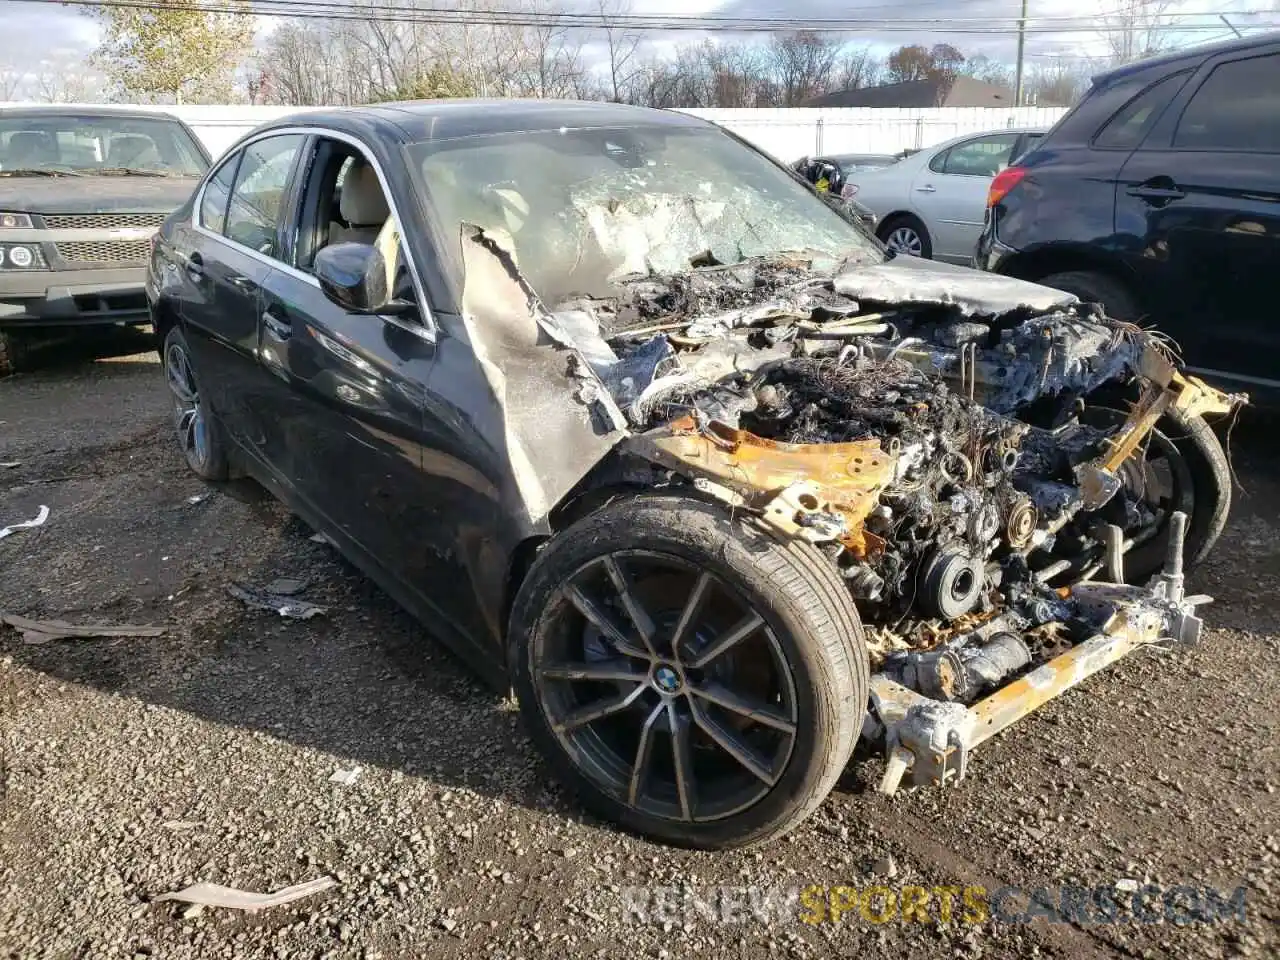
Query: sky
(42, 37)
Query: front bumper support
(928, 741)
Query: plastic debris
(213, 895)
(41, 517)
(283, 604)
(11, 464)
(319, 538)
(287, 586)
(345, 777)
(42, 631)
(198, 498)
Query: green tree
(181, 51)
(437, 82)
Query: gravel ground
(134, 767)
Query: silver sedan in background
(931, 204)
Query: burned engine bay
(919, 425)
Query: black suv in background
(1158, 196)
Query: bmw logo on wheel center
(666, 679)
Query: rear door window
(261, 184)
(1236, 108)
(984, 157)
(1129, 125)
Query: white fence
(786, 133)
(792, 133)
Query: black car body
(509, 357)
(82, 190)
(1159, 196)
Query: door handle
(277, 326)
(195, 267)
(1156, 190)
(927, 188)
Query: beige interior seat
(30, 146)
(132, 151)
(362, 205)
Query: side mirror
(354, 276)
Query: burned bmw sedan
(646, 431)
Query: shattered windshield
(584, 209)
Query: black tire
(1093, 287)
(803, 605)
(199, 433)
(13, 353)
(1201, 488)
(906, 220)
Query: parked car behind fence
(930, 204)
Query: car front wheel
(690, 675)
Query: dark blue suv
(1158, 196)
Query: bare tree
(310, 63)
(550, 62)
(855, 69)
(1057, 82)
(1135, 29)
(11, 81)
(621, 45)
(738, 74)
(61, 83)
(802, 64)
(981, 67)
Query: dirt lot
(135, 767)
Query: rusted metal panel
(845, 477)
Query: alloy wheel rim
(905, 240)
(188, 413)
(666, 688)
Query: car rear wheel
(199, 434)
(688, 674)
(906, 235)
(1093, 287)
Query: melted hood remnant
(970, 293)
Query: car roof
(67, 110)
(1190, 55)
(415, 120)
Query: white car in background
(931, 204)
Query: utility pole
(1022, 41)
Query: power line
(390, 12)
